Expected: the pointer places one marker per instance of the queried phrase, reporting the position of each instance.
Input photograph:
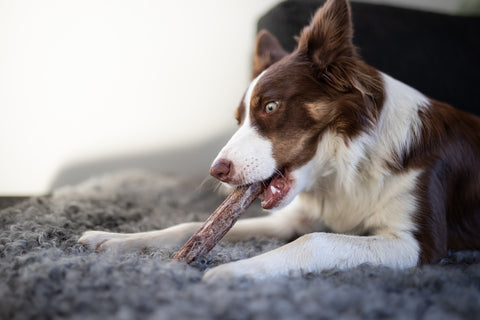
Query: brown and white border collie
(360, 167)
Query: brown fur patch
(449, 188)
(328, 38)
(267, 51)
(240, 112)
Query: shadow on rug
(45, 274)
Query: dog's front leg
(177, 235)
(125, 242)
(283, 224)
(320, 251)
(269, 226)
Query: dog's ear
(329, 35)
(267, 51)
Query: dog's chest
(374, 205)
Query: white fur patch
(320, 251)
(250, 153)
(399, 124)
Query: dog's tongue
(275, 191)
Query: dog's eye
(271, 106)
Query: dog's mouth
(276, 188)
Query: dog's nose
(221, 170)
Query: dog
(359, 167)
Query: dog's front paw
(225, 271)
(238, 269)
(129, 242)
(101, 241)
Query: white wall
(90, 79)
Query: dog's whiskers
(209, 183)
(280, 173)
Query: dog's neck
(343, 165)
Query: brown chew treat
(219, 222)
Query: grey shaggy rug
(45, 274)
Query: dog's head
(294, 101)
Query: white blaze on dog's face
(294, 100)
(249, 154)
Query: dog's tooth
(273, 189)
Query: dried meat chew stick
(219, 222)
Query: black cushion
(437, 54)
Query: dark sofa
(438, 54)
